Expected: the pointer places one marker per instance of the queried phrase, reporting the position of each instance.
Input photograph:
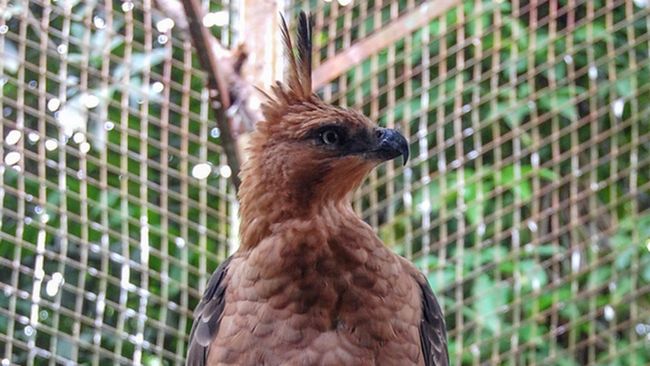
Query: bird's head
(308, 152)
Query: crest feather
(299, 73)
(304, 52)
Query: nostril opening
(379, 133)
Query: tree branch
(217, 85)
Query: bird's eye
(330, 137)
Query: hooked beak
(391, 144)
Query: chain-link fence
(526, 201)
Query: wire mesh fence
(114, 204)
(526, 201)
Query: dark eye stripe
(340, 131)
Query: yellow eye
(330, 137)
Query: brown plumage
(311, 283)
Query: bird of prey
(312, 283)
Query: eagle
(312, 283)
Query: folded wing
(207, 317)
(433, 333)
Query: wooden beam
(394, 31)
(260, 30)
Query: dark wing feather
(433, 333)
(207, 317)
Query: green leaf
(493, 254)
(11, 62)
(475, 211)
(140, 62)
(548, 250)
(624, 87)
(489, 297)
(10, 11)
(534, 275)
(547, 174)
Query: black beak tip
(405, 154)
(392, 144)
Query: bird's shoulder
(432, 327)
(207, 314)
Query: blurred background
(526, 202)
